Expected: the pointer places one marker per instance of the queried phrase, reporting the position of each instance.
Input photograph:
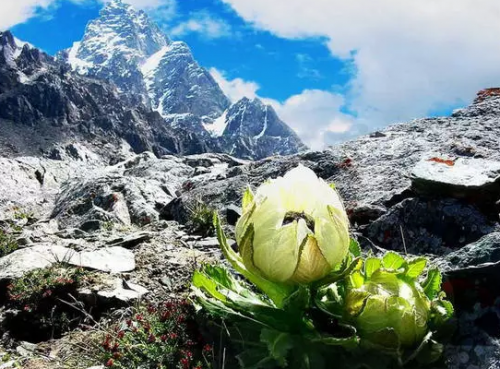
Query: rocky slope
(124, 46)
(428, 187)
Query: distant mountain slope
(44, 107)
(124, 46)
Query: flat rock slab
(477, 179)
(25, 260)
(124, 292)
(111, 259)
(485, 252)
(20, 262)
(113, 291)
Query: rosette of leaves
(396, 306)
(277, 324)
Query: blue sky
(332, 69)
(281, 67)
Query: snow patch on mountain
(217, 128)
(264, 129)
(150, 66)
(77, 64)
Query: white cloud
(235, 89)
(205, 24)
(411, 57)
(314, 114)
(162, 5)
(13, 12)
(316, 117)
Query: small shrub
(37, 296)
(7, 243)
(30, 290)
(164, 336)
(14, 224)
(201, 220)
(108, 226)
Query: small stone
(8, 364)
(74, 233)
(205, 243)
(131, 241)
(201, 170)
(26, 349)
(463, 357)
(189, 237)
(124, 292)
(464, 178)
(167, 282)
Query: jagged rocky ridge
(124, 46)
(46, 109)
(433, 183)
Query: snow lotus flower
(294, 229)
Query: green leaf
(229, 299)
(256, 358)
(430, 353)
(416, 267)
(275, 291)
(247, 200)
(278, 344)
(442, 311)
(393, 261)
(355, 302)
(202, 281)
(351, 341)
(354, 248)
(346, 270)
(372, 264)
(356, 279)
(385, 339)
(298, 302)
(329, 300)
(432, 284)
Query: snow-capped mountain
(115, 45)
(124, 46)
(46, 109)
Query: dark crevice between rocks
(399, 197)
(487, 201)
(477, 285)
(429, 225)
(54, 316)
(49, 319)
(40, 177)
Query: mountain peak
(6, 38)
(117, 6)
(124, 46)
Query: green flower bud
(294, 229)
(388, 305)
